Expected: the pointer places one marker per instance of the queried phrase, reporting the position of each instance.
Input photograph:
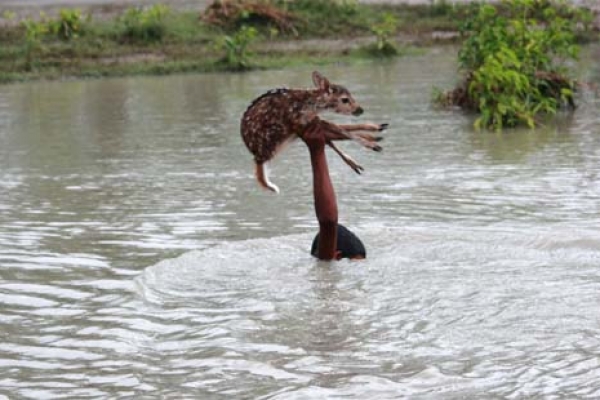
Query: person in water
(334, 241)
(348, 245)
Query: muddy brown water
(138, 258)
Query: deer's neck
(306, 105)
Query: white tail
(263, 178)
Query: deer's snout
(358, 111)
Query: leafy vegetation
(234, 14)
(515, 59)
(237, 56)
(227, 35)
(146, 25)
(317, 18)
(34, 31)
(383, 31)
(68, 25)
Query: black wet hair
(348, 244)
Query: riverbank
(108, 39)
(111, 8)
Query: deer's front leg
(336, 132)
(364, 127)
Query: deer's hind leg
(262, 177)
(357, 133)
(347, 159)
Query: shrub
(383, 31)
(68, 25)
(9, 15)
(144, 25)
(232, 15)
(237, 55)
(34, 31)
(326, 18)
(440, 8)
(327, 8)
(515, 62)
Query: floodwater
(139, 259)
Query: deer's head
(334, 97)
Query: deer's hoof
(383, 127)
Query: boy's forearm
(325, 204)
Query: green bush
(68, 25)
(440, 8)
(237, 56)
(326, 18)
(323, 7)
(383, 31)
(9, 16)
(515, 62)
(144, 25)
(34, 31)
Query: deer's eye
(345, 100)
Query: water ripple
(481, 280)
(412, 324)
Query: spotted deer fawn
(279, 116)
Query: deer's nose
(358, 111)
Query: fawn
(279, 116)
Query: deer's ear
(320, 81)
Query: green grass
(327, 18)
(163, 41)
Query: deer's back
(272, 120)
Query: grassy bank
(227, 36)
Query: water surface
(140, 260)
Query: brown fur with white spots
(282, 115)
